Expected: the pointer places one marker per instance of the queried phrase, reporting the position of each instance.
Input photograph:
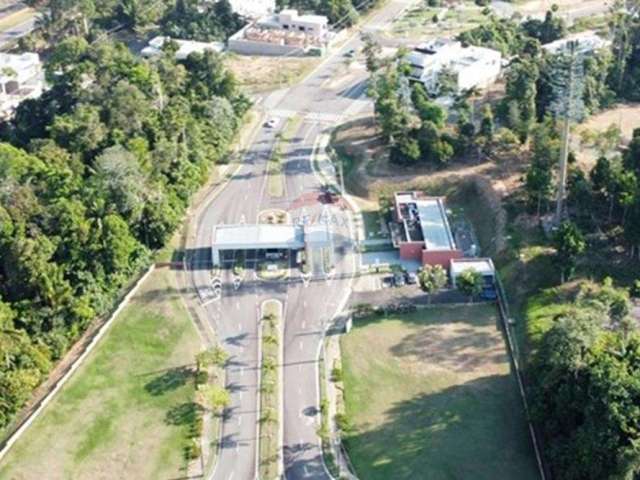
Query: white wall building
(21, 77)
(586, 42)
(472, 66)
(185, 47)
(253, 9)
(285, 33)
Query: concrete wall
(440, 257)
(248, 47)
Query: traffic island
(269, 446)
(274, 216)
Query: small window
(285, 26)
(301, 28)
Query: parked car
(411, 278)
(489, 294)
(271, 123)
(398, 279)
(350, 53)
(387, 282)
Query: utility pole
(342, 192)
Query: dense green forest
(96, 175)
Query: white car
(271, 123)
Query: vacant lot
(431, 396)
(126, 411)
(260, 74)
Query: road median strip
(270, 418)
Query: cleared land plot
(431, 396)
(127, 411)
(419, 22)
(259, 74)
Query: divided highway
(321, 103)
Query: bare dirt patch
(259, 74)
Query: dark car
(398, 279)
(489, 294)
(411, 278)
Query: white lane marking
(239, 325)
(300, 343)
(237, 449)
(241, 371)
(240, 395)
(237, 305)
(239, 420)
(299, 368)
(304, 324)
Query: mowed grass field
(126, 411)
(431, 396)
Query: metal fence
(507, 323)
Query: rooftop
(483, 266)
(247, 236)
(425, 220)
(185, 47)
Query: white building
(313, 25)
(232, 238)
(21, 78)
(483, 266)
(585, 42)
(286, 33)
(253, 9)
(185, 47)
(471, 66)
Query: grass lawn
(431, 396)
(127, 410)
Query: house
(584, 42)
(185, 47)
(21, 78)
(253, 9)
(421, 229)
(471, 66)
(284, 34)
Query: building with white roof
(21, 78)
(253, 9)
(483, 266)
(471, 66)
(285, 33)
(584, 42)
(185, 47)
(422, 230)
(268, 237)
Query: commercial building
(21, 78)
(584, 43)
(470, 66)
(286, 33)
(421, 230)
(268, 237)
(185, 47)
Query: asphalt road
(309, 304)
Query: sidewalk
(334, 395)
